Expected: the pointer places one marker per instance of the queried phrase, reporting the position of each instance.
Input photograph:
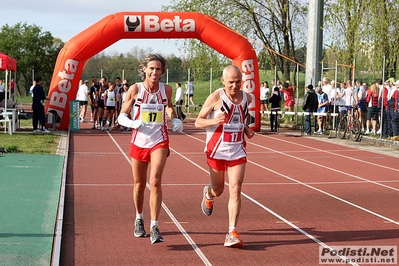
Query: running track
(299, 193)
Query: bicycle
(349, 126)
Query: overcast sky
(65, 19)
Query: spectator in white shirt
(82, 97)
(179, 101)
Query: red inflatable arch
(148, 25)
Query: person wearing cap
(310, 104)
(82, 97)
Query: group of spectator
(285, 91)
(10, 89)
(106, 100)
(376, 106)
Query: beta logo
(132, 24)
(152, 23)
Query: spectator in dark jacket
(275, 101)
(38, 97)
(310, 105)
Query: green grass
(30, 143)
(25, 141)
(24, 100)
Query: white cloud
(65, 19)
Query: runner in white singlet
(224, 115)
(226, 141)
(151, 102)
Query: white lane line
(270, 211)
(246, 184)
(327, 194)
(319, 190)
(330, 168)
(199, 252)
(337, 154)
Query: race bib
(152, 113)
(233, 134)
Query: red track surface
(299, 193)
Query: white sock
(208, 196)
(153, 223)
(139, 216)
(231, 229)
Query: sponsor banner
(74, 116)
(358, 255)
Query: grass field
(30, 143)
(25, 141)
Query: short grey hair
(231, 67)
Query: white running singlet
(111, 101)
(227, 141)
(150, 108)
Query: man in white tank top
(151, 102)
(224, 116)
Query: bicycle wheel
(341, 129)
(281, 118)
(355, 130)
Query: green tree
(36, 52)
(274, 26)
(383, 35)
(346, 21)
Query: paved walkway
(29, 197)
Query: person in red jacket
(383, 100)
(289, 98)
(373, 109)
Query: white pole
(15, 84)
(123, 75)
(297, 93)
(382, 95)
(188, 89)
(5, 99)
(210, 83)
(167, 76)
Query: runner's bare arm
(212, 103)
